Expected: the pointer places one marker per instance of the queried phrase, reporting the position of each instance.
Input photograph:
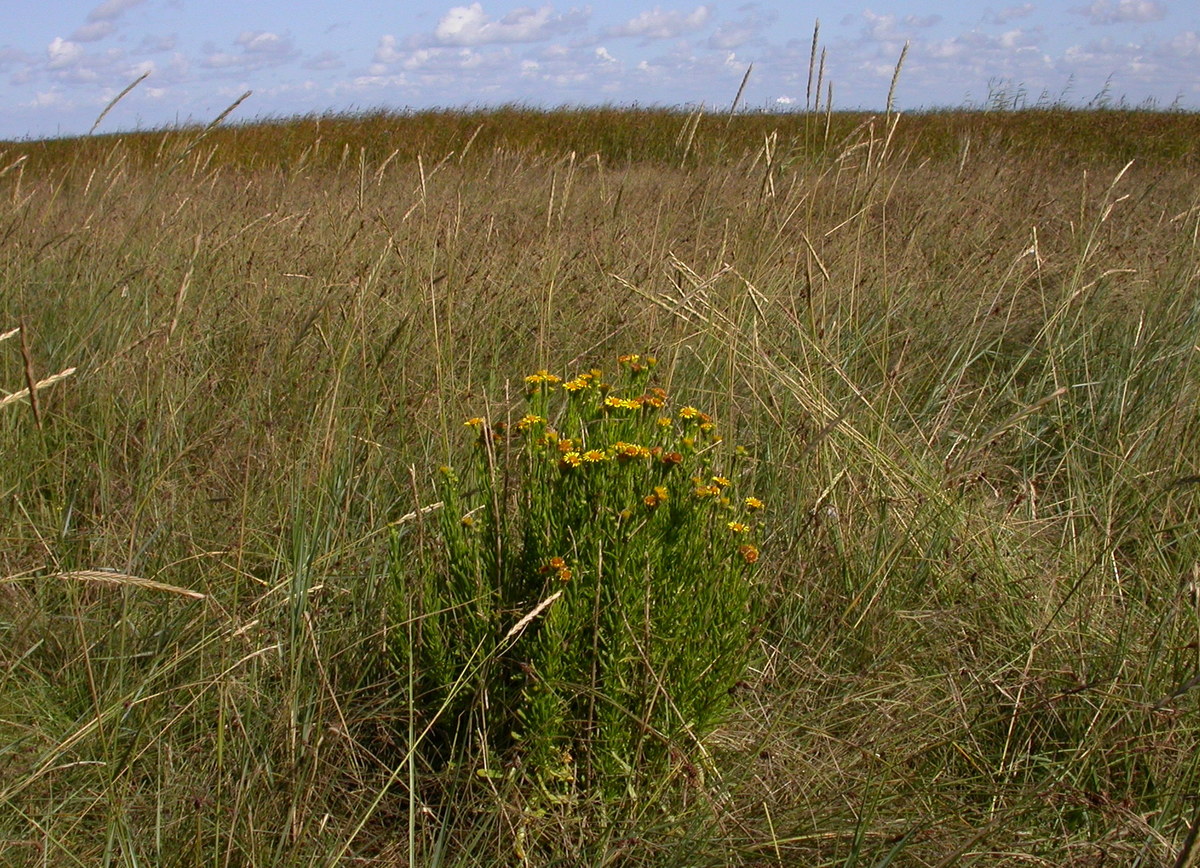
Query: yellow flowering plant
(606, 575)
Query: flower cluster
(617, 516)
(557, 567)
(646, 439)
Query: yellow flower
(659, 497)
(474, 422)
(749, 553)
(722, 481)
(689, 412)
(559, 567)
(738, 527)
(613, 402)
(571, 459)
(753, 503)
(529, 420)
(664, 421)
(628, 358)
(578, 384)
(626, 452)
(542, 376)
(595, 456)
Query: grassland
(961, 349)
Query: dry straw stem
(533, 613)
(111, 577)
(41, 384)
(891, 97)
(116, 99)
(737, 98)
(812, 60)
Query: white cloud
(784, 100)
(1122, 11)
(63, 53)
(262, 42)
(420, 57)
(603, 55)
(663, 24)
(386, 51)
(879, 27)
(470, 25)
(1014, 39)
(48, 99)
(1186, 44)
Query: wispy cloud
(890, 28)
(93, 31)
(736, 33)
(257, 49)
(323, 61)
(1012, 13)
(101, 21)
(111, 9)
(660, 23)
(1122, 11)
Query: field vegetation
(960, 352)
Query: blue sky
(62, 61)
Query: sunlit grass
(961, 352)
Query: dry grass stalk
(112, 577)
(116, 99)
(41, 384)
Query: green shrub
(590, 604)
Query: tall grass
(963, 345)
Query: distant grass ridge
(622, 136)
